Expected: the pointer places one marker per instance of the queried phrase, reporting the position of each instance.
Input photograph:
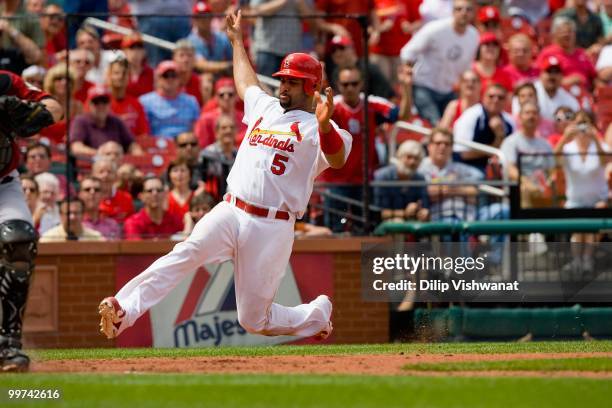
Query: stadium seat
(149, 164)
(157, 145)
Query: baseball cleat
(323, 334)
(111, 316)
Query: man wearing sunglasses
(485, 123)
(291, 139)
(226, 98)
(153, 220)
(349, 114)
(188, 149)
(90, 193)
(551, 94)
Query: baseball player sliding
(24, 111)
(290, 140)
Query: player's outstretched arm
(332, 145)
(244, 74)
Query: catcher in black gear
(24, 111)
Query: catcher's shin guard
(17, 253)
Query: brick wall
(356, 321)
(71, 279)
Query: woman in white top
(584, 161)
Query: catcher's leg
(18, 250)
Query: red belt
(254, 210)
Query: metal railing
(488, 188)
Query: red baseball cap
(489, 13)
(166, 66)
(340, 41)
(224, 82)
(201, 8)
(97, 92)
(488, 37)
(131, 40)
(550, 62)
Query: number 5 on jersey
(278, 164)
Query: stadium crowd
(154, 131)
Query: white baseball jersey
(276, 166)
(280, 155)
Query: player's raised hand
(233, 26)
(325, 108)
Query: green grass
(599, 364)
(318, 391)
(436, 348)
(135, 390)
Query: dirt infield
(370, 364)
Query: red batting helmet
(303, 66)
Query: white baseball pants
(260, 248)
(13, 205)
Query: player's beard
(287, 103)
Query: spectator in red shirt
(119, 11)
(578, 70)
(153, 221)
(115, 203)
(353, 27)
(140, 73)
(225, 96)
(520, 67)
(180, 194)
(125, 106)
(81, 61)
(349, 115)
(90, 130)
(469, 95)
(398, 20)
(184, 56)
(56, 85)
(487, 64)
(52, 26)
